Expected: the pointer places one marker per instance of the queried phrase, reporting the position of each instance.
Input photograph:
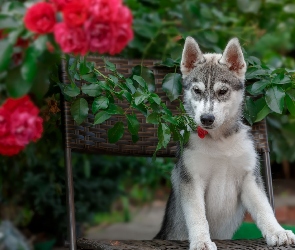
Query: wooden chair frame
(86, 138)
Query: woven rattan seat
(170, 244)
(93, 139)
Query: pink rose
(40, 18)
(104, 10)
(71, 40)
(122, 36)
(100, 36)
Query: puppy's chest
(223, 159)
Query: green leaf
(141, 81)
(290, 102)
(281, 79)
(128, 96)
(164, 134)
(114, 79)
(104, 85)
(135, 138)
(254, 60)
(7, 22)
(153, 118)
(6, 50)
(253, 72)
(249, 110)
(116, 133)
(133, 124)
(168, 62)
(139, 98)
(186, 136)
(155, 98)
(71, 90)
(29, 67)
(113, 109)
(130, 86)
(110, 66)
(79, 110)
(147, 75)
(71, 68)
(141, 108)
(172, 85)
(257, 87)
(101, 102)
(14, 87)
(91, 78)
(175, 133)
(84, 69)
(262, 110)
(166, 110)
(92, 89)
(274, 97)
(101, 117)
(169, 118)
(40, 45)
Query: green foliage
(79, 110)
(138, 94)
(172, 85)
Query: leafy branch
(100, 91)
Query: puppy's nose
(207, 119)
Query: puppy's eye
(223, 91)
(197, 91)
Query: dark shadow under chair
(87, 138)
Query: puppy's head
(213, 83)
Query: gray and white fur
(217, 178)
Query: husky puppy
(217, 178)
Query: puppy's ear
(191, 55)
(233, 57)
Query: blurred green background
(32, 184)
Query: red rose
(25, 127)
(9, 147)
(100, 36)
(60, 4)
(104, 10)
(40, 18)
(71, 40)
(122, 36)
(20, 124)
(4, 122)
(75, 13)
(124, 15)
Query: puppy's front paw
(283, 237)
(203, 245)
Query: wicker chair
(88, 138)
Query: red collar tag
(201, 132)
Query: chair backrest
(89, 138)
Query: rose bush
(53, 28)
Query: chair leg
(70, 200)
(268, 178)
